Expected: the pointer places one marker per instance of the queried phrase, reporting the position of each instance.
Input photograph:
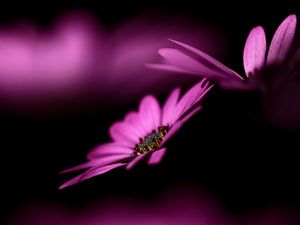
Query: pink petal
(125, 133)
(255, 50)
(179, 124)
(150, 113)
(210, 60)
(157, 156)
(135, 161)
(171, 68)
(192, 97)
(90, 173)
(181, 60)
(98, 162)
(134, 119)
(282, 40)
(190, 114)
(205, 88)
(170, 106)
(173, 130)
(109, 149)
(237, 85)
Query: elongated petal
(179, 124)
(282, 40)
(190, 114)
(192, 97)
(170, 106)
(99, 162)
(150, 113)
(90, 173)
(157, 156)
(173, 131)
(207, 58)
(135, 161)
(109, 149)
(206, 86)
(175, 57)
(237, 85)
(171, 68)
(255, 50)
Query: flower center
(152, 141)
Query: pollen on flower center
(152, 141)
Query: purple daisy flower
(256, 58)
(142, 133)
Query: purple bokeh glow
(179, 207)
(80, 59)
(36, 63)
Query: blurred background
(69, 69)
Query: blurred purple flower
(81, 62)
(143, 133)
(135, 42)
(193, 61)
(40, 64)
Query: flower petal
(134, 119)
(173, 130)
(170, 106)
(171, 68)
(157, 156)
(192, 113)
(179, 124)
(124, 133)
(177, 58)
(135, 161)
(150, 113)
(255, 50)
(99, 162)
(210, 60)
(90, 173)
(192, 97)
(282, 40)
(109, 149)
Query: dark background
(228, 149)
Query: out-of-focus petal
(210, 60)
(173, 130)
(282, 40)
(171, 68)
(150, 113)
(190, 114)
(179, 124)
(109, 149)
(255, 50)
(181, 60)
(157, 156)
(99, 162)
(135, 161)
(90, 173)
(192, 96)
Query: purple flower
(42, 71)
(256, 58)
(143, 133)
